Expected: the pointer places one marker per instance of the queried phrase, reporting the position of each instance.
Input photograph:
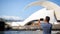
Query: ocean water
(25, 32)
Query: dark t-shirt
(47, 27)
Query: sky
(16, 7)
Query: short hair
(41, 19)
(47, 18)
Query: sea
(26, 32)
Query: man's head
(47, 18)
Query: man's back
(47, 27)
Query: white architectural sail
(40, 14)
(46, 4)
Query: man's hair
(41, 19)
(47, 18)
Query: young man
(46, 26)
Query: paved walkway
(26, 32)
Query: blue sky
(16, 7)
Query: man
(46, 26)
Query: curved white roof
(41, 14)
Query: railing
(54, 27)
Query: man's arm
(38, 22)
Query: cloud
(12, 17)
